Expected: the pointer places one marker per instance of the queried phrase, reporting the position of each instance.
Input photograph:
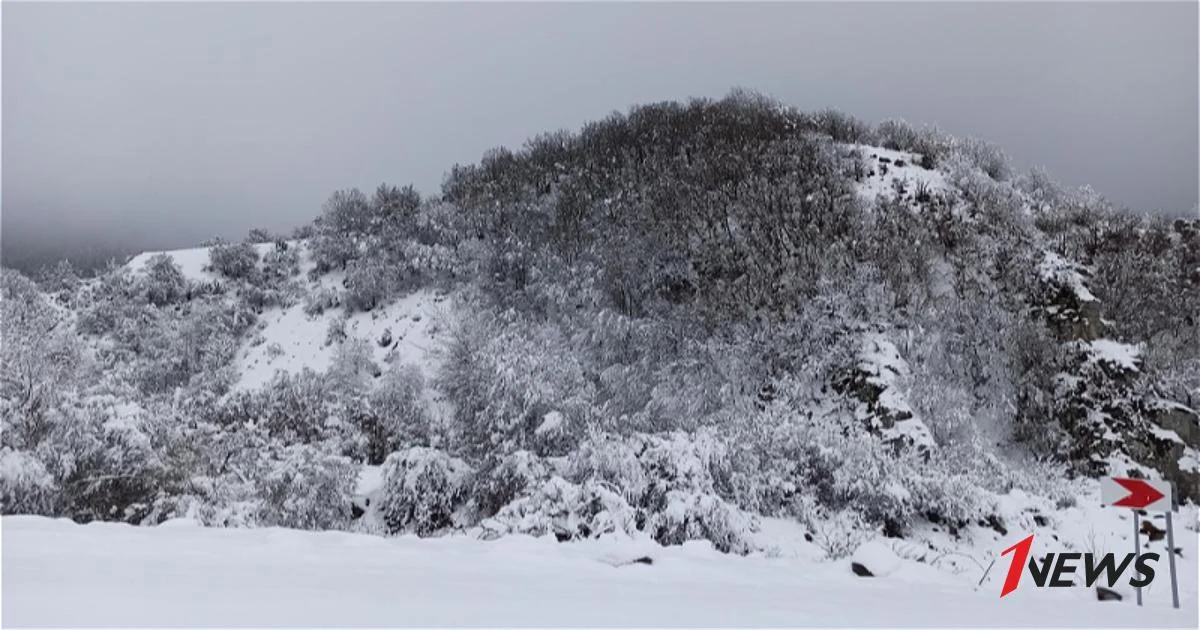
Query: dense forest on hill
(674, 321)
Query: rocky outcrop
(877, 383)
(1184, 421)
(1072, 311)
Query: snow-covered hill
(712, 328)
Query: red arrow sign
(1141, 493)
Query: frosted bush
(675, 482)
(841, 533)
(684, 516)
(319, 300)
(26, 487)
(164, 282)
(397, 416)
(422, 489)
(612, 460)
(986, 156)
(512, 476)
(233, 260)
(307, 489)
(568, 511)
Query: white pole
(1137, 549)
(1171, 556)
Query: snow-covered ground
(402, 332)
(889, 172)
(191, 262)
(57, 573)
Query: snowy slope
(191, 262)
(58, 573)
(890, 171)
(292, 340)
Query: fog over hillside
(141, 126)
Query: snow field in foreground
(57, 573)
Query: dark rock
(900, 162)
(643, 560)
(860, 570)
(1107, 595)
(1041, 521)
(1185, 422)
(808, 537)
(995, 523)
(1155, 534)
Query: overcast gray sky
(160, 124)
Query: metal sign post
(1152, 496)
(1171, 556)
(1137, 548)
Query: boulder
(874, 559)
(1184, 421)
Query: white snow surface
(58, 573)
(550, 422)
(292, 340)
(877, 557)
(1122, 355)
(909, 176)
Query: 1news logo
(1056, 568)
(1055, 571)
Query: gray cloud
(159, 124)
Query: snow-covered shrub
(293, 407)
(613, 460)
(369, 283)
(676, 482)
(352, 367)
(568, 511)
(40, 360)
(790, 458)
(306, 488)
(840, 533)
(164, 281)
(422, 489)
(929, 142)
(105, 303)
(171, 348)
(842, 127)
(233, 260)
(682, 516)
(26, 487)
(988, 157)
(505, 376)
(335, 332)
(505, 479)
(679, 462)
(321, 299)
(105, 460)
(281, 262)
(397, 417)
